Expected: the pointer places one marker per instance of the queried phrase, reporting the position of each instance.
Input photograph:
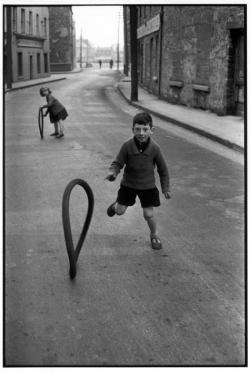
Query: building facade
(29, 38)
(193, 55)
(62, 38)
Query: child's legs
(60, 124)
(148, 213)
(56, 127)
(126, 197)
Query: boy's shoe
(53, 134)
(155, 243)
(60, 135)
(111, 210)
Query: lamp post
(133, 52)
(118, 52)
(125, 26)
(81, 50)
(87, 53)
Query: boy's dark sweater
(139, 166)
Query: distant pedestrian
(111, 63)
(100, 63)
(57, 112)
(140, 154)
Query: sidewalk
(227, 130)
(57, 76)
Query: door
(239, 75)
(31, 67)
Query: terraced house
(26, 44)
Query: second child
(57, 112)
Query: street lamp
(118, 51)
(81, 50)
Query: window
(45, 62)
(156, 53)
(14, 18)
(37, 24)
(22, 20)
(20, 64)
(30, 24)
(38, 63)
(140, 15)
(45, 27)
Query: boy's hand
(167, 195)
(111, 177)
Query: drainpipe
(160, 56)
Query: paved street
(129, 305)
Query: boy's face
(142, 132)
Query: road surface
(129, 305)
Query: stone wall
(196, 52)
(61, 41)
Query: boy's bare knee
(148, 213)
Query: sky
(99, 24)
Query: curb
(68, 72)
(35, 84)
(201, 132)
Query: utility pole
(81, 50)
(118, 53)
(9, 48)
(133, 52)
(125, 25)
(87, 53)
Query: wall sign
(29, 43)
(149, 27)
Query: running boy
(140, 154)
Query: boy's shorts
(148, 197)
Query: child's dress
(56, 110)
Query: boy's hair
(143, 118)
(42, 91)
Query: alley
(129, 305)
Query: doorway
(236, 73)
(239, 75)
(31, 67)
